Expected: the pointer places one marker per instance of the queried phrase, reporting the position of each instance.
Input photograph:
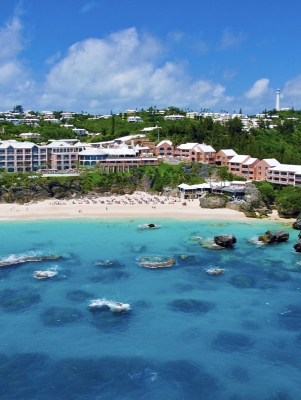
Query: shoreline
(122, 207)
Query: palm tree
(223, 174)
(210, 173)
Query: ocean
(188, 334)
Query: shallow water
(188, 335)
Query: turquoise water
(188, 335)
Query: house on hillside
(261, 168)
(236, 162)
(165, 149)
(30, 135)
(224, 156)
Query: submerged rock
(230, 341)
(290, 318)
(58, 316)
(11, 300)
(226, 240)
(274, 237)
(192, 306)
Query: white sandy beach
(141, 205)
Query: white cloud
(259, 89)
(11, 42)
(124, 70)
(54, 58)
(292, 88)
(229, 40)
(87, 7)
(15, 82)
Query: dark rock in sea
(78, 295)
(11, 300)
(297, 246)
(280, 396)
(250, 325)
(290, 318)
(239, 373)
(107, 321)
(226, 240)
(297, 224)
(232, 341)
(59, 316)
(274, 237)
(243, 281)
(298, 340)
(192, 306)
(109, 276)
(193, 380)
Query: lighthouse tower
(278, 100)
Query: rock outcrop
(214, 201)
(226, 240)
(274, 237)
(253, 204)
(297, 224)
(297, 245)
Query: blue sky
(98, 56)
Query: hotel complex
(120, 155)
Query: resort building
(165, 149)
(236, 162)
(115, 159)
(224, 156)
(261, 168)
(22, 156)
(284, 174)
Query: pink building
(165, 149)
(260, 172)
(235, 164)
(248, 168)
(196, 152)
(224, 156)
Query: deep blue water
(188, 335)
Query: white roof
(286, 167)
(206, 148)
(229, 152)
(151, 128)
(18, 145)
(250, 161)
(271, 161)
(92, 152)
(164, 141)
(239, 158)
(58, 144)
(187, 146)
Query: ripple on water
(60, 316)
(290, 318)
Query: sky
(99, 57)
